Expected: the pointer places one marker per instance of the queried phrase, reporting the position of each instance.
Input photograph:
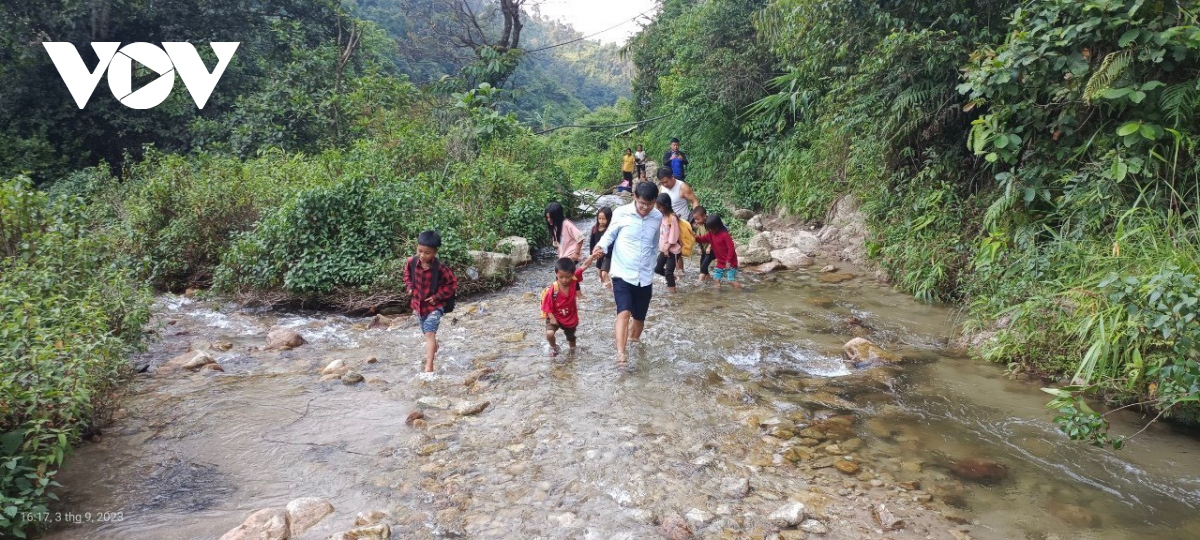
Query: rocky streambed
(740, 417)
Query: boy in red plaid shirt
(428, 304)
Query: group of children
(433, 287)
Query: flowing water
(577, 448)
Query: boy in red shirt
(559, 306)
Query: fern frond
(1113, 65)
(1179, 102)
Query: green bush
(70, 314)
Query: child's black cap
(429, 239)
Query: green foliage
(70, 314)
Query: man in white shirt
(633, 234)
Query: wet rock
(564, 519)
(755, 223)
(787, 516)
(265, 524)
(767, 268)
(211, 368)
(221, 346)
(862, 352)
(885, 518)
(782, 433)
(813, 526)
(643, 516)
(474, 376)
(431, 448)
(983, 471)
(743, 214)
(283, 339)
(515, 247)
(413, 417)
(436, 402)
(697, 519)
(836, 277)
(336, 367)
(374, 532)
(852, 445)
(798, 453)
(790, 534)
(792, 257)
(1073, 514)
(770, 241)
(191, 361)
(372, 360)
(834, 450)
(468, 408)
(828, 269)
(492, 265)
(419, 423)
(513, 337)
(305, 512)
(735, 488)
(911, 485)
(352, 377)
(674, 527)
(846, 467)
(812, 433)
(752, 256)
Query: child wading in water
(430, 284)
(722, 250)
(669, 245)
(700, 228)
(603, 218)
(559, 306)
(563, 233)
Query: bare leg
(622, 333)
(635, 333)
(553, 344)
(431, 349)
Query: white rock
(755, 223)
(283, 339)
(265, 524)
(698, 518)
(492, 265)
(334, 367)
(735, 487)
(813, 526)
(792, 257)
(750, 256)
(198, 361)
(305, 512)
(515, 247)
(436, 402)
(788, 516)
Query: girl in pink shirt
(564, 234)
(669, 246)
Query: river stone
(382, 531)
(755, 223)
(828, 269)
(335, 367)
(514, 337)
(846, 467)
(641, 515)
(787, 516)
(751, 256)
(305, 512)
(436, 402)
(984, 471)
(283, 339)
(515, 247)
(743, 214)
(432, 448)
(792, 257)
(798, 453)
(674, 527)
(861, 352)
(198, 360)
(474, 376)
(413, 417)
(770, 240)
(468, 408)
(221, 346)
(735, 488)
(885, 518)
(265, 524)
(492, 265)
(767, 268)
(813, 526)
(352, 377)
(698, 518)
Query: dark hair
(639, 147)
(605, 211)
(565, 265)
(664, 172)
(675, 139)
(629, 150)
(714, 224)
(429, 239)
(664, 201)
(555, 211)
(700, 209)
(646, 191)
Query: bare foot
(736, 285)
(621, 357)
(553, 352)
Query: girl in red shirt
(722, 250)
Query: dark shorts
(627, 175)
(632, 298)
(553, 326)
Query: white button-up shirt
(636, 250)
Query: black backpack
(448, 304)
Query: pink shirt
(668, 236)
(572, 241)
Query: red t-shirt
(562, 304)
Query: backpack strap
(433, 283)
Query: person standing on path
(628, 165)
(633, 235)
(675, 160)
(640, 161)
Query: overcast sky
(591, 16)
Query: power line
(591, 35)
(637, 123)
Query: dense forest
(1033, 162)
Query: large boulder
(805, 241)
(743, 214)
(515, 247)
(191, 361)
(792, 258)
(283, 339)
(305, 512)
(756, 223)
(861, 352)
(750, 256)
(492, 265)
(265, 524)
(770, 240)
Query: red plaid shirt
(418, 283)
